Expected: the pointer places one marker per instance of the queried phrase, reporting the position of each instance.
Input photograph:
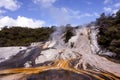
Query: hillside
(19, 36)
(109, 32)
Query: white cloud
(110, 10)
(64, 10)
(96, 14)
(117, 5)
(87, 14)
(107, 1)
(107, 9)
(20, 21)
(44, 3)
(61, 15)
(2, 11)
(89, 3)
(10, 4)
(114, 11)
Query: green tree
(109, 32)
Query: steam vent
(61, 58)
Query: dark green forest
(109, 32)
(19, 36)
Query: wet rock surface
(59, 75)
(66, 75)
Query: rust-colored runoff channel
(61, 65)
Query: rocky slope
(79, 54)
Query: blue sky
(37, 13)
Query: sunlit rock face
(80, 52)
(21, 58)
(7, 52)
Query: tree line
(109, 32)
(24, 36)
(19, 36)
